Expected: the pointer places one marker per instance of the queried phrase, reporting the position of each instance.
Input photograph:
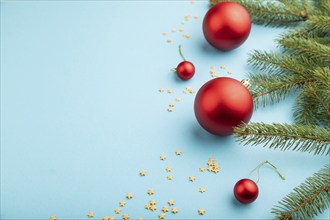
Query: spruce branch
(270, 13)
(305, 138)
(308, 48)
(270, 90)
(307, 200)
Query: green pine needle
(306, 138)
(307, 200)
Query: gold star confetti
(186, 35)
(181, 29)
(164, 33)
(223, 67)
(183, 23)
(152, 202)
(175, 210)
(171, 202)
(165, 209)
(169, 40)
(143, 173)
(171, 104)
(173, 30)
(168, 169)
(151, 192)
(162, 157)
(122, 203)
(170, 109)
(161, 90)
(185, 91)
(53, 217)
(90, 215)
(161, 216)
(201, 211)
(169, 177)
(196, 17)
(140, 218)
(178, 99)
(229, 72)
(153, 208)
(125, 217)
(147, 206)
(202, 190)
(201, 169)
(129, 196)
(178, 152)
(192, 178)
(108, 218)
(117, 210)
(169, 91)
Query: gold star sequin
(125, 217)
(175, 210)
(143, 173)
(168, 169)
(178, 152)
(161, 216)
(169, 177)
(111, 218)
(202, 189)
(117, 210)
(201, 211)
(129, 196)
(151, 192)
(171, 202)
(165, 209)
(201, 169)
(90, 215)
(170, 109)
(192, 178)
(53, 217)
(161, 90)
(178, 99)
(169, 91)
(171, 104)
(122, 203)
(140, 218)
(223, 67)
(162, 157)
(147, 206)
(152, 202)
(153, 208)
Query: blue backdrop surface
(81, 114)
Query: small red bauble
(222, 104)
(226, 25)
(185, 70)
(246, 191)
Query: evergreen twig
(307, 200)
(308, 138)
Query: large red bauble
(246, 191)
(226, 25)
(221, 104)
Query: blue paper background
(81, 114)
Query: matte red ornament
(226, 25)
(185, 70)
(246, 191)
(222, 104)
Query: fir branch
(280, 64)
(269, 90)
(306, 138)
(321, 23)
(270, 13)
(308, 48)
(307, 200)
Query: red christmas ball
(226, 25)
(221, 104)
(246, 191)
(185, 70)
